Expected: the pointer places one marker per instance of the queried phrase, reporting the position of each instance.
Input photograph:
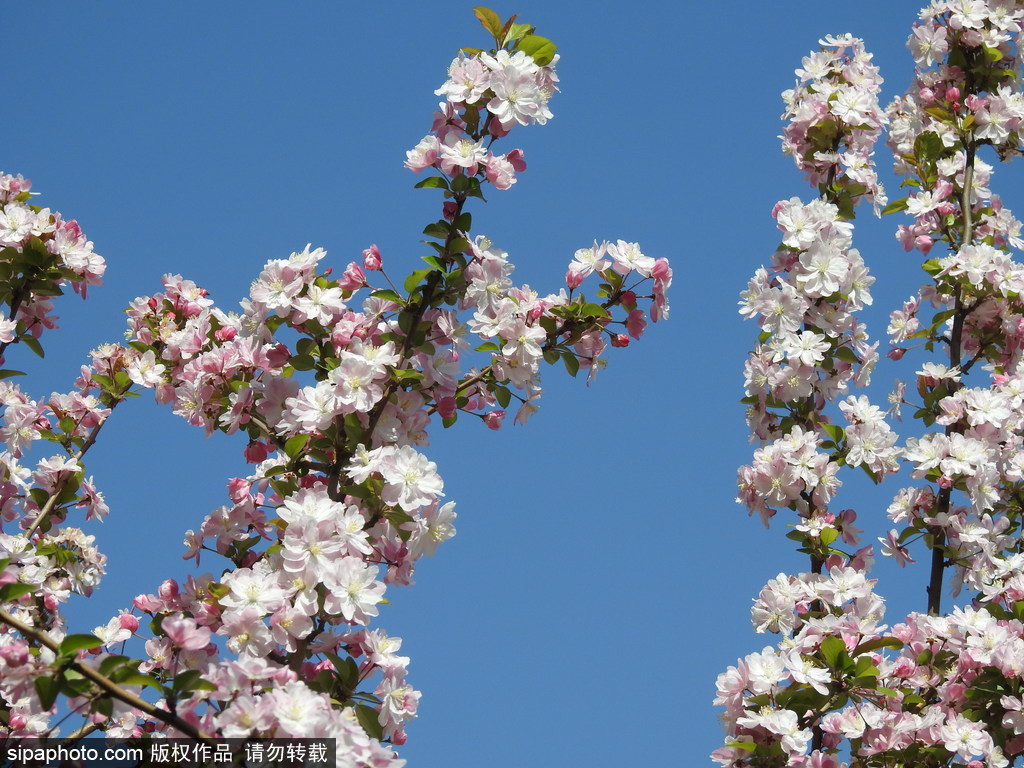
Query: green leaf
(539, 48)
(302, 363)
(992, 54)
(367, 717)
(432, 182)
(834, 431)
(865, 667)
(746, 746)
(488, 346)
(407, 374)
(192, 680)
(928, 145)
(294, 445)
(514, 32)
(11, 592)
(832, 649)
(135, 678)
(847, 355)
(895, 206)
(110, 663)
(438, 229)
(490, 21)
(415, 278)
(47, 689)
(6, 373)
(572, 363)
(103, 706)
(828, 535)
(387, 295)
(72, 643)
(32, 343)
(458, 245)
(501, 394)
(875, 643)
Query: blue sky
(602, 574)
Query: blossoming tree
(335, 380)
(940, 687)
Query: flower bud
(256, 452)
(168, 590)
(371, 258)
(447, 407)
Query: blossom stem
(939, 562)
(103, 682)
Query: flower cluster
(40, 252)
(834, 118)
(813, 348)
(487, 95)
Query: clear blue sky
(602, 574)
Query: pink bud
(496, 130)
(952, 93)
(14, 655)
(945, 482)
(635, 323)
(448, 210)
(278, 355)
(926, 95)
(50, 601)
(371, 258)
(129, 622)
(573, 279)
(516, 158)
(17, 721)
(834, 561)
(627, 299)
(620, 340)
(147, 603)
(238, 488)
(974, 102)
(493, 419)
(447, 407)
(923, 243)
(256, 452)
(226, 333)
(399, 738)
(896, 353)
(662, 272)
(168, 590)
(353, 278)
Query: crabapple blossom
(335, 377)
(934, 689)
